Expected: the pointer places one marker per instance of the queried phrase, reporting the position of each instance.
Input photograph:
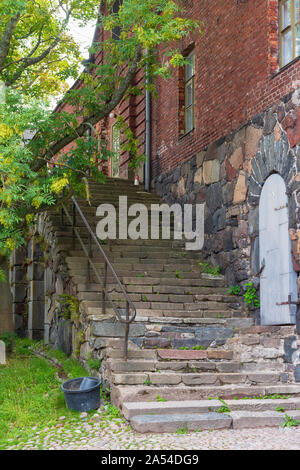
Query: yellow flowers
(36, 202)
(10, 243)
(6, 132)
(177, 60)
(58, 185)
(4, 220)
(29, 218)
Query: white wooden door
(278, 278)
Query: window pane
(189, 121)
(297, 11)
(287, 48)
(285, 14)
(297, 32)
(190, 68)
(189, 92)
(116, 150)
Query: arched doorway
(278, 278)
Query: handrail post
(90, 256)
(73, 226)
(126, 332)
(104, 288)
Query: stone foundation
(229, 175)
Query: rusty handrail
(130, 308)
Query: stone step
(160, 423)
(124, 264)
(141, 279)
(234, 319)
(150, 274)
(167, 244)
(130, 410)
(137, 297)
(196, 355)
(149, 289)
(175, 422)
(100, 197)
(170, 303)
(192, 379)
(118, 297)
(141, 393)
(77, 261)
(151, 253)
(203, 280)
(192, 366)
(157, 281)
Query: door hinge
(290, 301)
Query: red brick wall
(237, 77)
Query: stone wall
(229, 175)
(6, 316)
(38, 277)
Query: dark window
(117, 30)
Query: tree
(34, 174)
(37, 51)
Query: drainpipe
(148, 132)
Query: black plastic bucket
(82, 394)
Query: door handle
(262, 267)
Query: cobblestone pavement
(101, 432)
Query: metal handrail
(130, 308)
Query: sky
(83, 37)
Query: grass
(290, 422)
(30, 395)
(183, 430)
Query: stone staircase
(192, 344)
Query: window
(116, 31)
(189, 94)
(289, 25)
(115, 147)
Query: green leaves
(45, 156)
(250, 296)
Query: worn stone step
(192, 366)
(150, 274)
(203, 317)
(260, 419)
(141, 393)
(191, 379)
(149, 289)
(143, 265)
(148, 254)
(158, 283)
(137, 297)
(130, 410)
(170, 303)
(197, 355)
(160, 423)
(174, 422)
(133, 354)
(124, 265)
(200, 281)
(162, 243)
(183, 264)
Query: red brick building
(222, 126)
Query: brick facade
(237, 77)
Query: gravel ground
(102, 432)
